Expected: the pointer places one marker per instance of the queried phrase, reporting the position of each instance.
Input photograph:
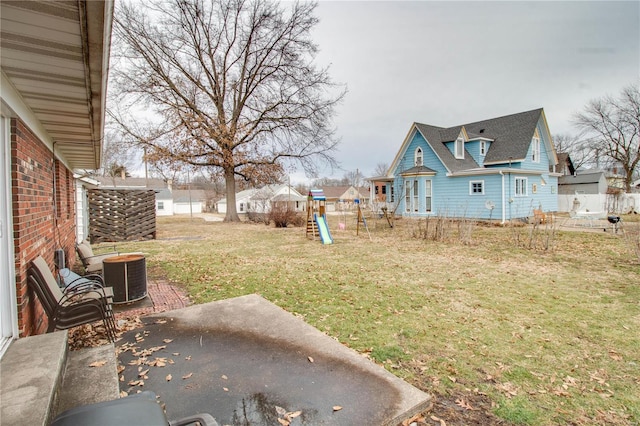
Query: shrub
(281, 216)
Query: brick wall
(43, 217)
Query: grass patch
(537, 331)
(518, 411)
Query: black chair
(137, 409)
(83, 303)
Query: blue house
(502, 168)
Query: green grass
(551, 336)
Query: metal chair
(84, 303)
(91, 262)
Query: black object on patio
(137, 409)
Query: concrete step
(91, 376)
(40, 377)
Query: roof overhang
(55, 58)
(496, 171)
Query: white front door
(8, 308)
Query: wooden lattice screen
(121, 215)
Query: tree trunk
(230, 189)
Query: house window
(459, 148)
(392, 197)
(418, 157)
(416, 202)
(407, 197)
(534, 188)
(521, 187)
(483, 148)
(384, 189)
(427, 191)
(241, 207)
(535, 148)
(160, 205)
(476, 187)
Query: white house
(262, 200)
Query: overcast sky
(450, 63)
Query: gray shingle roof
(511, 135)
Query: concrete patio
(247, 361)
(242, 360)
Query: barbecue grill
(615, 222)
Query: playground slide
(323, 229)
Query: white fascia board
(478, 172)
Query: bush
(281, 216)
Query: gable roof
(582, 178)
(510, 137)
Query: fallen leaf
(169, 377)
(310, 359)
(167, 340)
(293, 415)
(284, 422)
(224, 377)
(280, 411)
(176, 354)
(143, 373)
(97, 364)
(438, 419)
(464, 404)
(123, 394)
(187, 376)
(614, 355)
(225, 389)
(337, 408)
(188, 358)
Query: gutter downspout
(503, 199)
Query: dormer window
(418, 157)
(535, 147)
(483, 147)
(459, 148)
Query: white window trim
(459, 153)
(535, 147)
(471, 182)
(428, 185)
(524, 186)
(416, 156)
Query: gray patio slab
(248, 362)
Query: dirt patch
(454, 410)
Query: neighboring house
(164, 202)
(584, 191)
(188, 201)
(565, 165)
(261, 200)
(341, 198)
(496, 168)
(54, 61)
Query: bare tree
(615, 125)
(583, 152)
(353, 178)
(118, 158)
(234, 83)
(381, 169)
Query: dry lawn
(540, 328)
